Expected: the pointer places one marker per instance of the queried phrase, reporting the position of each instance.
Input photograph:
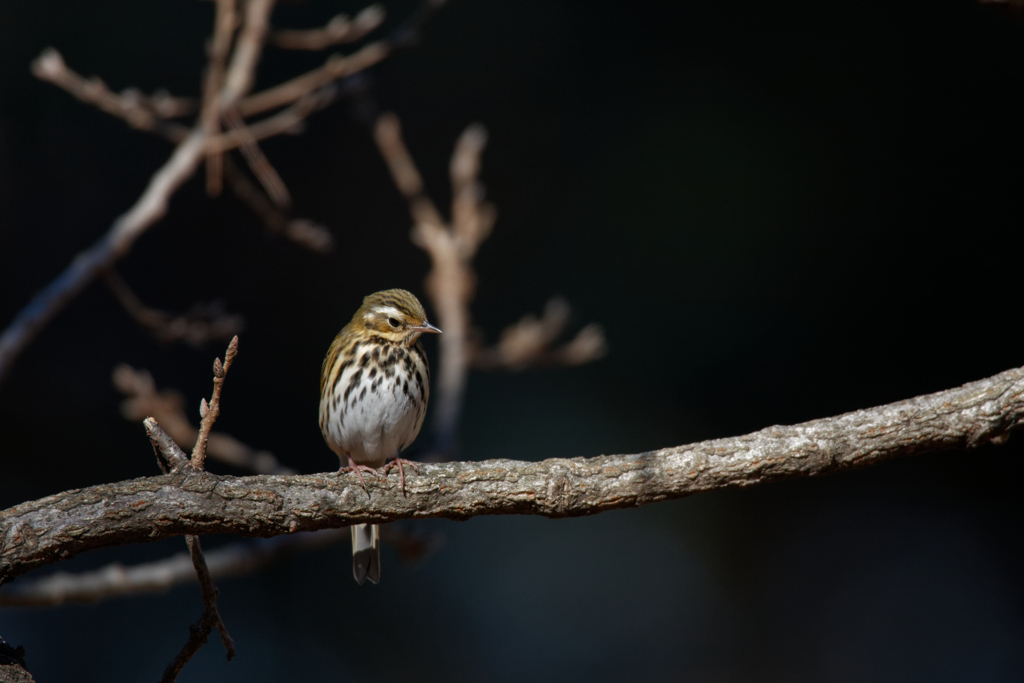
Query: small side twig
(199, 632)
(288, 120)
(340, 29)
(530, 342)
(303, 232)
(117, 580)
(203, 323)
(132, 106)
(169, 457)
(336, 67)
(167, 406)
(258, 162)
(234, 559)
(210, 411)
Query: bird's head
(395, 315)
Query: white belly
(379, 414)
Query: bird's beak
(427, 327)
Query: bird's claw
(358, 469)
(399, 461)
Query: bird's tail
(366, 552)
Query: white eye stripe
(389, 311)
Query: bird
(374, 388)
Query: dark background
(778, 213)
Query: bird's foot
(358, 469)
(399, 462)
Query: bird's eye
(393, 322)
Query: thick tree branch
(58, 527)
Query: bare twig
(223, 31)
(235, 559)
(336, 67)
(169, 457)
(210, 411)
(198, 326)
(286, 121)
(199, 632)
(306, 233)
(135, 108)
(141, 510)
(258, 162)
(340, 29)
(530, 343)
(115, 580)
(142, 400)
(451, 283)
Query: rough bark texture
(63, 525)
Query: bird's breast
(374, 406)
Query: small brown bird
(374, 387)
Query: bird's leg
(358, 469)
(399, 461)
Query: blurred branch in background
(40, 532)
(306, 233)
(531, 342)
(234, 559)
(202, 324)
(451, 282)
(167, 407)
(153, 577)
(235, 50)
(340, 29)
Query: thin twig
(336, 67)
(340, 29)
(132, 106)
(235, 559)
(258, 162)
(306, 233)
(40, 532)
(210, 411)
(241, 72)
(286, 121)
(199, 632)
(168, 408)
(169, 456)
(203, 323)
(116, 580)
(223, 31)
(530, 342)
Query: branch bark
(58, 527)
